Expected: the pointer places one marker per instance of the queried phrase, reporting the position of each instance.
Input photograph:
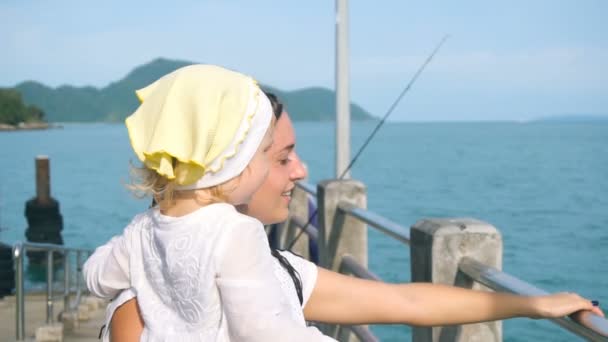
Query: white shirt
(205, 276)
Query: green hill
(116, 101)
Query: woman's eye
(284, 161)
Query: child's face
(256, 172)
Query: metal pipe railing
(19, 250)
(19, 295)
(384, 225)
(312, 231)
(49, 287)
(589, 326)
(350, 265)
(362, 332)
(79, 264)
(66, 281)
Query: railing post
(66, 281)
(78, 272)
(340, 234)
(49, 287)
(437, 246)
(18, 254)
(298, 208)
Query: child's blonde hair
(146, 182)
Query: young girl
(201, 270)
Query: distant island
(573, 118)
(15, 114)
(116, 101)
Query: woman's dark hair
(295, 276)
(277, 106)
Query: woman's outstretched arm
(337, 298)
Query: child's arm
(425, 304)
(252, 298)
(106, 272)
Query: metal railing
(382, 224)
(588, 325)
(349, 265)
(19, 250)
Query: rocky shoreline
(25, 126)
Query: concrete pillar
(70, 320)
(338, 233)
(437, 246)
(52, 332)
(298, 208)
(83, 312)
(93, 302)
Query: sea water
(543, 185)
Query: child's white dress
(205, 276)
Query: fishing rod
(371, 136)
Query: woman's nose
(299, 170)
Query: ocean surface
(543, 185)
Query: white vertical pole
(342, 90)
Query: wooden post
(43, 182)
(44, 219)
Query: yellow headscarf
(192, 115)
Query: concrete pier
(35, 314)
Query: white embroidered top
(205, 276)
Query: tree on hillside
(13, 110)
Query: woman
(331, 300)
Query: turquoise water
(543, 185)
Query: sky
(512, 60)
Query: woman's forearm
(127, 323)
(342, 299)
(434, 304)
(424, 304)
(350, 300)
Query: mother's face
(270, 203)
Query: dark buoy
(44, 219)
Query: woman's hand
(560, 305)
